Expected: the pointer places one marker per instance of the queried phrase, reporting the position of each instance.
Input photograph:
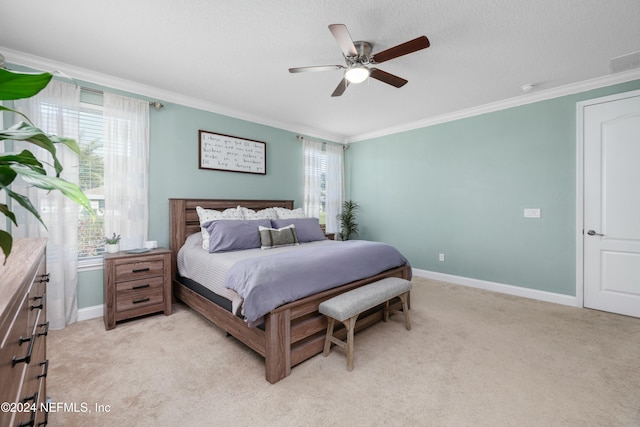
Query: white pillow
(268, 213)
(288, 213)
(206, 215)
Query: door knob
(593, 233)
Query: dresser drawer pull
(141, 270)
(140, 286)
(31, 421)
(36, 307)
(46, 329)
(32, 418)
(45, 371)
(38, 297)
(33, 397)
(44, 278)
(138, 301)
(27, 358)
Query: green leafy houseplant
(347, 218)
(112, 240)
(16, 85)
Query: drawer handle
(44, 278)
(45, 371)
(33, 397)
(141, 270)
(32, 418)
(31, 421)
(46, 329)
(140, 287)
(138, 301)
(40, 298)
(27, 358)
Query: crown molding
(82, 74)
(529, 98)
(140, 89)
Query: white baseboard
(90, 312)
(98, 310)
(499, 287)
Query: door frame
(580, 107)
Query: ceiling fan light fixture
(357, 73)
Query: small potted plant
(112, 244)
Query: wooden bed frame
(293, 332)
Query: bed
(292, 332)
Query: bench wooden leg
(350, 324)
(327, 339)
(405, 310)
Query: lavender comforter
(269, 281)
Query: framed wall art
(232, 154)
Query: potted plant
(347, 218)
(15, 85)
(112, 244)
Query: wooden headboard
(183, 218)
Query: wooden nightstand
(136, 284)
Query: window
(323, 169)
(91, 233)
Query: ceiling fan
(358, 58)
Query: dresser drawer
(143, 268)
(14, 347)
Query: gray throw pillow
(273, 238)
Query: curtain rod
(156, 104)
(344, 146)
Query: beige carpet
(473, 358)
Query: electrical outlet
(532, 213)
(441, 257)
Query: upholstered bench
(347, 307)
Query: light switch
(531, 213)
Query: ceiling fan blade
(342, 86)
(405, 48)
(315, 68)
(342, 36)
(387, 78)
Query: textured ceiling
(232, 57)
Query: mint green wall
(459, 188)
(174, 164)
(174, 173)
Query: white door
(612, 205)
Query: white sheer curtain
(328, 160)
(55, 111)
(334, 185)
(126, 147)
(313, 158)
(3, 195)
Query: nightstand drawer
(136, 299)
(141, 285)
(147, 267)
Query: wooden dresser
(136, 284)
(23, 332)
